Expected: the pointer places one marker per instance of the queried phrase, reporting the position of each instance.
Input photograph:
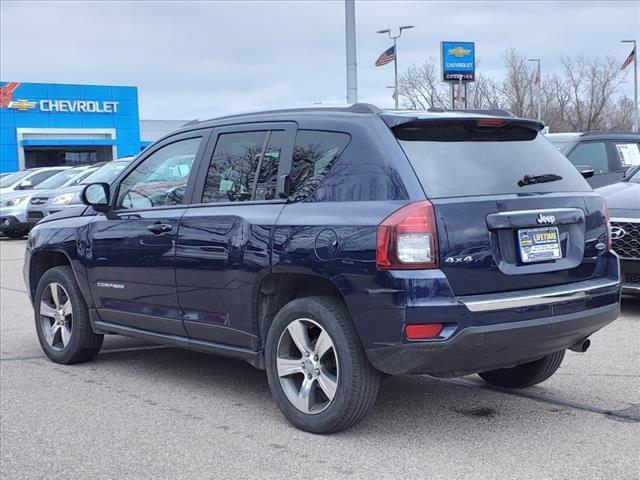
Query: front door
(224, 239)
(131, 254)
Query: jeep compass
(331, 246)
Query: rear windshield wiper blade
(533, 179)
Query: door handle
(159, 228)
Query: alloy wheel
(56, 316)
(307, 366)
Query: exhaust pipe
(581, 346)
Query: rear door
(131, 254)
(224, 241)
(512, 212)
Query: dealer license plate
(539, 244)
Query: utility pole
(636, 121)
(539, 92)
(395, 56)
(350, 42)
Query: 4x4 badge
(546, 219)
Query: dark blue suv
(331, 246)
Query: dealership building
(47, 124)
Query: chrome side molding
(538, 296)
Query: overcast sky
(204, 58)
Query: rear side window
(628, 153)
(314, 154)
(591, 154)
(453, 159)
(244, 167)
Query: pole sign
(458, 61)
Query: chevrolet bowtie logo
(459, 52)
(22, 105)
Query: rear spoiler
(393, 120)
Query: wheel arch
(44, 260)
(277, 289)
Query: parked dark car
(623, 199)
(608, 154)
(330, 245)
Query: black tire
(358, 382)
(83, 344)
(527, 374)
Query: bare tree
(590, 86)
(585, 96)
(420, 87)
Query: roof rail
(490, 111)
(603, 132)
(353, 108)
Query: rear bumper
(487, 332)
(489, 347)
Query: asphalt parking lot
(143, 411)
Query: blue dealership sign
(458, 61)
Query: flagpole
(395, 70)
(395, 57)
(636, 121)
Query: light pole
(395, 56)
(636, 122)
(350, 43)
(539, 77)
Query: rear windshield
(454, 159)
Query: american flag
(388, 56)
(629, 59)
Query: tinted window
(458, 160)
(161, 179)
(236, 159)
(314, 154)
(592, 154)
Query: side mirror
(25, 185)
(97, 195)
(586, 172)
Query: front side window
(236, 160)
(161, 179)
(592, 154)
(314, 153)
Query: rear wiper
(533, 179)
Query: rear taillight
(608, 222)
(408, 239)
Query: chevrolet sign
(78, 106)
